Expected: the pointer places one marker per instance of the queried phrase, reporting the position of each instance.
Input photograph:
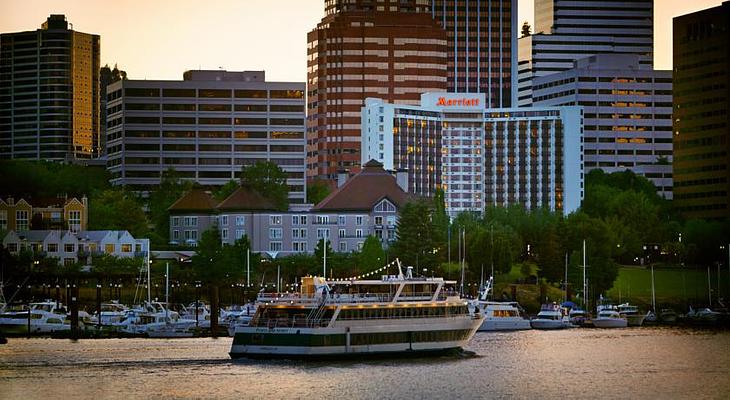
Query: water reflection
(628, 363)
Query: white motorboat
(667, 316)
(577, 316)
(45, 317)
(631, 313)
(201, 315)
(498, 316)
(608, 318)
(550, 317)
(110, 313)
(352, 317)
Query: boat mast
(565, 282)
(653, 296)
(463, 258)
(167, 290)
(709, 288)
(248, 268)
(149, 283)
(324, 250)
(585, 284)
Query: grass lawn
(672, 286)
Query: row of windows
(210, 121)
(215, 93)
(208, 107)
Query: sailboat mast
(565, 282)
(653, 296)
(167, 288)
(149, 283)
(585, 283)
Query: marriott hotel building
(480, 156)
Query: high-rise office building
(481, 37)
(206, 127)
(627, 114)
(480, 156)
(702, 113)
(49, 93)
(390, 49)
(567, 30)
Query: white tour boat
(354, 317)
(498, 315)
(608, 318)
(550, 317)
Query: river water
(578, 363)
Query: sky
(160, 39)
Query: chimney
(401, 177)
(342, 176)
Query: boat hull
(547, 324)
(501, 324)
(610, 323)
(346, 341)
(635, 320)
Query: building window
(359, 246)
(224, 220)
(275, 233)
(175, 234)
(323, 219)
(69, 248)
(378, 220)
(68, 261)
(302, 233)
(379, 233)
(21, 220)
(295, 233)
(341, 233)
(240, 220)
(126, 248)
(275, 246)
(302, 246)
(358, 233)
(358, 220)
(53, 247)
(74, 221)
(275, 220)
(391, 220)
(175, 221)
(239, 233)
(109, 248)
(224, 234)
(323, 233)
(3, 220)
(193, 221)
(391, 234)
(13, 247)
(341, 220)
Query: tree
(216, 265)
(526, 29)
(372, 255)
(269, 180)
(117, 209)
(226, 190)
(317, 190)
(171, 188)
(415, 235)
(440, 222)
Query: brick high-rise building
(390, 49)
(49, 93)
(481, 37)
(702, 113)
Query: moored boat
(631, 313)
(550, 317)
(499, 315)
(608, 318)
(398, 314)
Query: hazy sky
(160, 39)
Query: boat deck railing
(345, 298)
(272, 323)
